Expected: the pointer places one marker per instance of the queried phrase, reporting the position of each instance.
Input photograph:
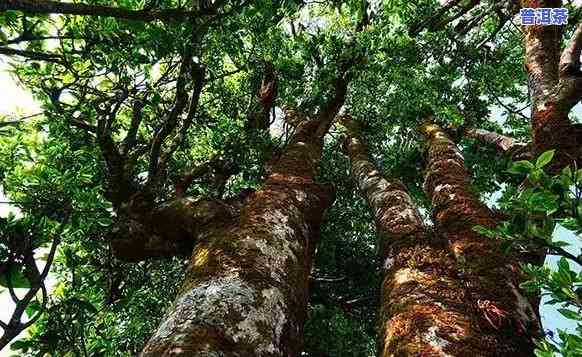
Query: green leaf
(3, 36)
(540, 353)
(20, 345)
(570, 224)
(17, 278)
(521, 167)
(529, 286)
(572, 315)
(545, 158)
(560, 244)
(569, 293)
(104, 222)
(486, 231)
(563, 264)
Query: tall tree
(245, 290)
(492, 278)
(162, 132)
(424, 309)
(553, 74)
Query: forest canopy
(291, 178)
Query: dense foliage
(92, 74)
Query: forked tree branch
(15, 325)
(171, 120)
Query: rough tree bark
(168, 230)
(265, 95)
(554, 78)
(555, 85)
(424, 310)
(492, 278)
(245, 292)
(246, 288)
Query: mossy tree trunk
(492, 277)
(246, 288)
(555, 87)
(245, 292)
(423, 307)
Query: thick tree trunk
(423, 307)
(492, 278)
(552, 130)
(554, 85)
(245, 292)
(246, 288)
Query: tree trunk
(423, 307)
(554, 86)
(167, 230)
(552, 129)
(246, 288)
(245, 291)
(492, 278)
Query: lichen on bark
(423, 307)
(491, 277)
(246, 288)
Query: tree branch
(136, 119)
(184, 182)
(265, 93)
(330, 109)
(570, 58)
(54, 7)
(429, 21)
(187, 122)
(84, 126)
(10, 123)
(570, 86)
(119, 183)
(504, 144)
(26, 37)
(14, 327)
(171, 120)
(169, 230)
(444, 22)
(38, 56)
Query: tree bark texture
(245, 292)
(424, 309)
(246, 288)
(168, 230)
(508, 322)
(555, 86)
